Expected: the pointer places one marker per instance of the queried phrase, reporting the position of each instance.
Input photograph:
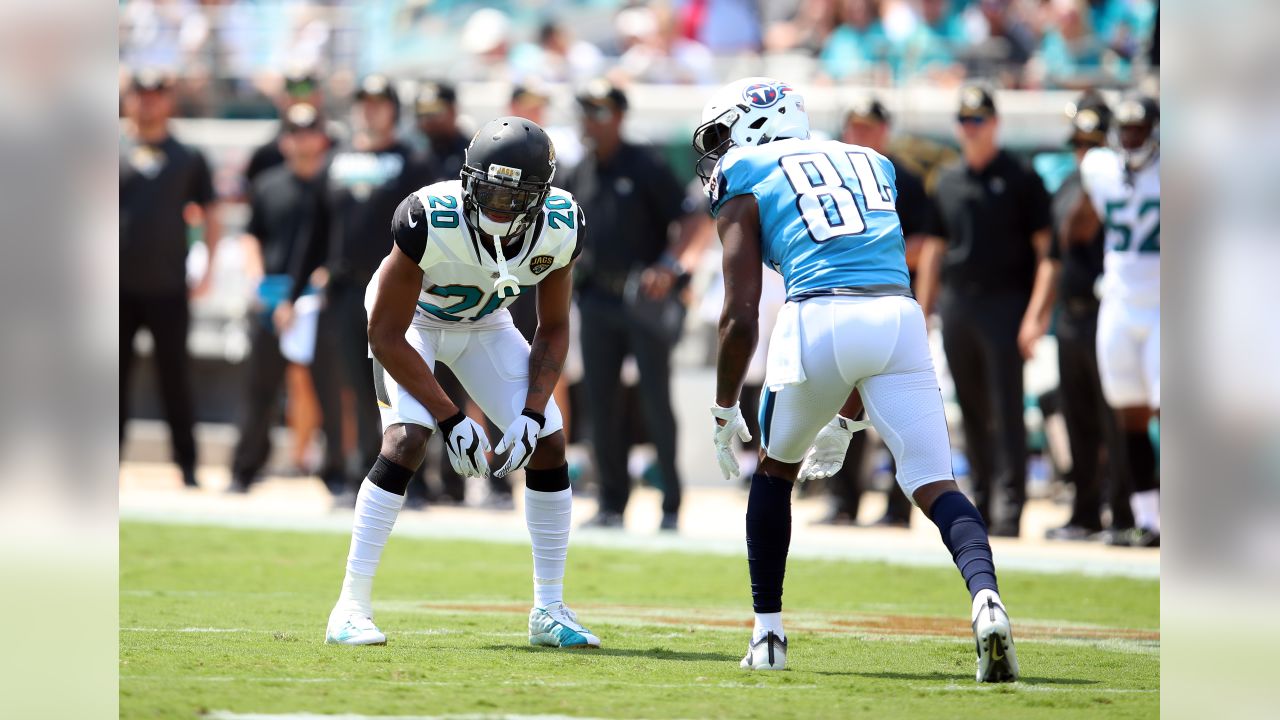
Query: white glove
(734, 425)
(827, 454)
(521, 438)
(466, 444)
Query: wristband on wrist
(448, 424)
(535, 416)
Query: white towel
(784, 366)
(298, 343)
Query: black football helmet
(506, 176)
(1137, 118)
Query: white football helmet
(746, 112)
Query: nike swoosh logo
(411, 222)
(995, 652)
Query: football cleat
(557, 626)
(993, 637)
(768, 652)
(352, 628)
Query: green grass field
(218, 621)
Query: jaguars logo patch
(540, 263)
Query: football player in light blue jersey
(822, 213)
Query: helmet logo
(502, 172)
(765, 95)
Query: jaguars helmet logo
(540, 263)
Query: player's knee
(405, 444)
(550, 451)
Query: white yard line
(169, 679)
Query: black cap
(302, 116)
(1138, 110)
(1090, 119)
(149, 80)
(434, 97)
(530, 91)
(976, 101)
(379, 86)
(867, 108)
(602, 93)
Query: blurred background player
(1123, 197)
(626, 189)
(849, 323)
(164, 186)
(301, 86)
(463, 251)
(994, 228)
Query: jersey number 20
(827, 205)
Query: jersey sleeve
(579, 235)
(1093, 175)
(409, 228)
(730, 178)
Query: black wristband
(448, 424)
(535, 416)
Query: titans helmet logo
(764, 95)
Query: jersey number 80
(824, 200)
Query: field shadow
(652, 653)
(951, 677)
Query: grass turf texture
(223, 619)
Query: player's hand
(283, 316)
(729, 424)
(657, 281)
(521, 439)
(826, 457)
(466, 444)
(1029, 334)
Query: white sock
(768, 622)
(1146, 509)
(980, 601)
(376, 511)
(547, 514)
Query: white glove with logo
(734, 425)
(827, 454)
(521, 438)
(466, 444)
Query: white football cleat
(993, 636)
(557, 626)
(767, 652)
(352, 628)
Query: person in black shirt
(623, 187)
(286, 210)
(868, 123)
(994, 214)
(436, 108)
(300, 87)
(366, 181)
(1072, 270)
(161, 180)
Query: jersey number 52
(824, 199)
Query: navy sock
(768, 539)
(965, 535)
(1142, 460)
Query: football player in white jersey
(1123, 195)
(464, 250)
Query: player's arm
(1035, 321)
(551, 338)
(739, 225)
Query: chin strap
(506, 285)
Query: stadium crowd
(319, 197)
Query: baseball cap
(150, 80)
(976, 102)
(529, 92)
(378, 86)
(434, 97)
(867, 108)
(602, 93)
(302, 116)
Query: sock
(548, 507)
(768, 622)
(1145, 500)
(375, 515)
(980, 602)
(965, 535)
(768, 539)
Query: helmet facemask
(501, 207)
(712, 140)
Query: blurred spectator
(529, 100)
(1070, 53)
(163, 184)
(869, 124)
(994, 216)
(286, 211)
(556, 57)
(652, 50)
(635, 201)
(168, 34)
(800, 26)
(436, 109)
(1092, 430)
(486, 36)
(300, 86)
(859, 44)
(931, 45)
(1004, 40)
(367, 180)
(725, 27)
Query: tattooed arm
(551, 339)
